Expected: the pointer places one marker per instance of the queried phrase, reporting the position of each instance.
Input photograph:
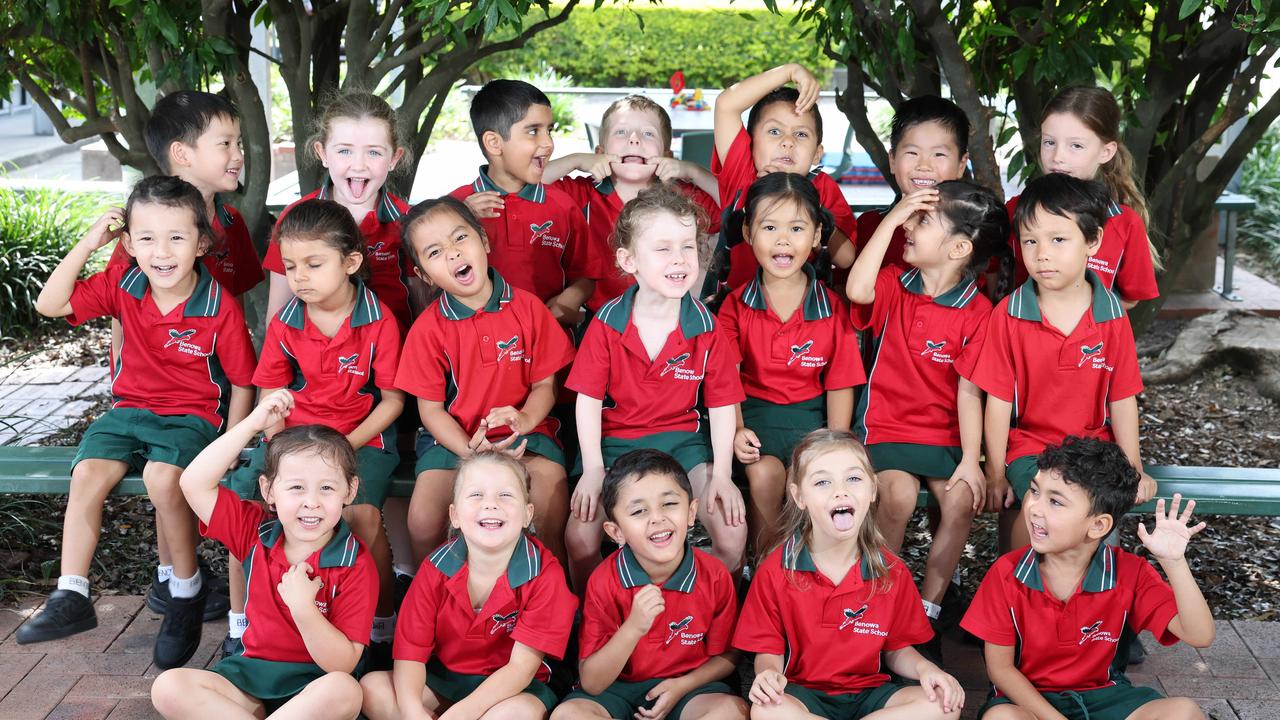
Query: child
(650, 360)
(783, 134)
(337, 347)
(357, 140)
(482, 612)
(482, 361)
(928, 144)
(831, 608)
(799, 354)
(311, 583)
(658, 614)
(1058, 358)
(921, 421)
(634, 151)
(1080, 137)
(184, 368)
(1079, 593)
(538, 236)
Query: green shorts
(1109, 703)
(373, 465)
(454, 687)
(135, 437)
(688, 448)
(1020, 472)
(439, 457)
(926, 461)
(781, 427)
(624, 699)
(845, 706)
(274, 683)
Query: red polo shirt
(476, 361)
(539, 241)
(736, 173)
(233, 261)
(642, 397)
(530, 605)
(181, 363)
(695, 625)
(911, 389)
(602, 207)
(335, 381)
(867, 224)
(1059, 385)
(346, 599)
(1124, 260)
(815, 350)
(390, 265)
(830, 636)
(1069, 646)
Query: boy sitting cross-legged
(658, 614)
(1052, 613)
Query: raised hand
(1169, 539)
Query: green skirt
(690, 449)
(268, 679)
(928, 461)
(453, 686)
(781, 427)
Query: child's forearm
(542, 397)
(839, 408)
(739, 97)
(241, 403)
(263, 394)
(408, 677)
(1124, 424)
(55, 297)
(507, 682)
(199, 481)
(384, 413)
(1014, 685)
(327, 646)
(587, 412)
(600, 669)
(765, 662)
(842, 249)
(278, 293)
(724, 425)
(861, 285)
(557, 168)
(704, 180)
(1194, 622)
(444, 428)
(570, 301)
(969, 409)
(906, 662)
(996, 430)
(717, 668)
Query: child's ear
(396, 158)
(1092, 246)
(1108, 151)
(492, 143)
(126, 242)
(1100, 526)
(964, 164)
(693, 511)
(264, 488)
(352, 262)
(204, 245)
(528, 515)
(318, 148)
(960, 249)
(179, 154)
(817, 155)
(453, 517)
(353, 487)
(625, 260)
(614, 532)
(794, 489)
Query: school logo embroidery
(508, 347)
(935, 351)
(931, 346)
(181, 339)
(1093, 356)
(504, 622)
(1095, 633)
(851, 616)
(799, 351)
(674, 628)
(177, 336)
(542, 235)
(349, 365)
(379, 251)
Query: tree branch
(1244, 143)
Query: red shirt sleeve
(590, 373)
(387, 360)
(729, 325)
(736, 171)
(1126, 379)
(708, 203)
(552, 349)
(546, 615)
(993, 371)
(874, 316)
(833, 200)
(600, 614)
(722, 384)
(421, 372)
(845, 369)
(352, 608)
(96, 296)
(760, 621)
(416, 623)
(234, 523)
(975, 333)
(1153, 603)
(910, 624)
(988, 615)
(244, 258)
(720, 634)
(1136, 275)
(235, 349)
(273, 369)
(578, 188)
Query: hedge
(608, 47)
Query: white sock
(932, 610)
(955, 577)
(74, 582)
(164, 572)
(188, 588)
(237, 623)
(384, 629)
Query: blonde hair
(1098, 110)
(795, 520)
(492, 457)
(643, 104)
(653, 200)
(354, 104)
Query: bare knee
(171, 690)
(521, 707)
(162, 485)
(365, 521)
(1174, 708)
(1007, 712)
(92, 481)
(337, 691)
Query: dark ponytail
(975, 212)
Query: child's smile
(652, 515)
(165, 243)
(782, 237)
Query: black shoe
(179, 634)
(932, 649)
(218, 605)
(65, 613)
(378, 657)
(402, 584)
(230, 646)
(954, 605)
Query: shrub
(1260, 179)
(643, 46)
(37, 228)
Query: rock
(1247, 342)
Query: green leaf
(222, 46)
(168, 28)
(1188, 7)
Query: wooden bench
(1216, 490)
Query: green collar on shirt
(366, 310)
(205, 299)
(536, 192)
(956, 297)
(452, 308)
(1100, 577)
(1106, 305)
(817, 306)
(525, 564)
(795, 556)
(340, 551)
(695, 318)
(387, 210)
(633, 575)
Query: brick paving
(37, 402)
(106, 673)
